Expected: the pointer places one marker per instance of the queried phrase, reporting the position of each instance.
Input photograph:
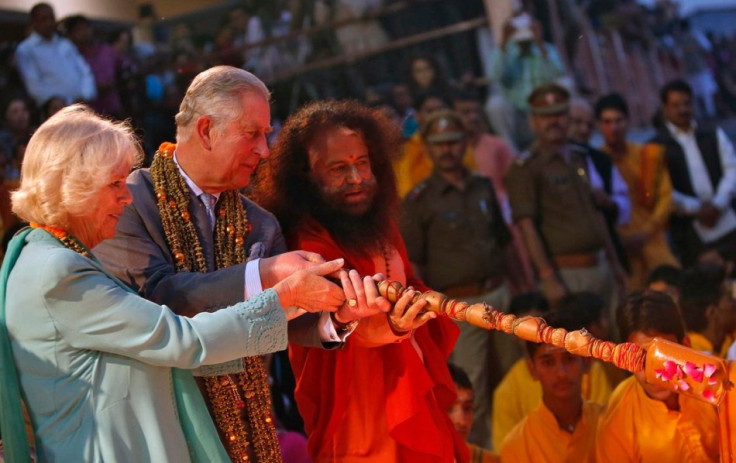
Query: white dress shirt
(719, 195)
(253, 284)
(54, 68)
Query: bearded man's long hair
(283, 184)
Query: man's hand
(276, 268)
(405, 316)
(309, 291)
(362, 298)
(708, 215)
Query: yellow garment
(700, 343)
(644, 170)
(481, 455)
(726, 345)
(538, 438)
(637, 428)
(518, 394)
(415, 165)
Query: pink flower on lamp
(694, 372)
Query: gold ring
(352, 302)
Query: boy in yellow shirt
(461, 414)
(518, 393)
(563, 427)
(644, 423)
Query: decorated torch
(666, 364)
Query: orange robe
(726, 345)
(538, 438)
(636, 428)
(379, 398)
(644, 170)
(518, 394)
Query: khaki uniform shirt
(553, 190)
(456, 236)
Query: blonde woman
(102, 370)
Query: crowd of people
(147, 295)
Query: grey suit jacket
(94, 360)
(140, 257)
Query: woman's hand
(308, 291)
(405, 316)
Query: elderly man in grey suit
(191, 241)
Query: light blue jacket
(94, 359)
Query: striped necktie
(209, 202)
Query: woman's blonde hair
(69, 159)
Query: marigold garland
(70, 241)
(239, 403)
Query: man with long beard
(384, 396)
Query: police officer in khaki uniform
(552, 204)
(457, 239)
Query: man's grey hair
(216, 93)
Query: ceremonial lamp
(666, 364)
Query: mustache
(364, 185)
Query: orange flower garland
(240, 404)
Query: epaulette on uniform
(417, 191)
